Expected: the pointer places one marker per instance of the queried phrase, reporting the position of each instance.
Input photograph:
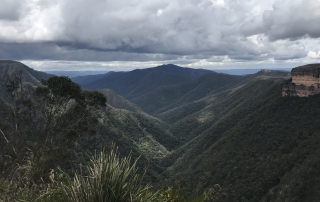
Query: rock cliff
(305, 81)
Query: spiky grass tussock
(109, 179)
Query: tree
(44, 125)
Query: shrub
(109, 178)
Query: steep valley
(195, 128)
(252, 150)
(240, 133)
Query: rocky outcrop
(305, 81)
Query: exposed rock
(305, 81)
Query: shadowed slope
(9, 67)
(168, 97)
(263, 142)
(140, 81)
(119, 102)
(130, 128)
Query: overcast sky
(128, 34)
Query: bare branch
(4, 136)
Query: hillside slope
(257, 148)
(128, 127)
(11, 68)
(118, 101)
(238, 132)
(140, 81)
(192, 107)
(168, 97)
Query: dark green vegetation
(55, 124)
(138, 82)
(72, 74)
(109, 178)
(253, 150)
(195, 129)
(307, 68)
(41, 128)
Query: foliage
(43, 127)
(108, 178)
(138, 82)
(262, 146)
(256, 144)
(169, 97)
(170, 194)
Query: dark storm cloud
(157, 27)
(157, 30)
(39, 51)
(10, 10)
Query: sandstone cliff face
(305, 81)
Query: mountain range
(196, 128)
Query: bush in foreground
(109, 178)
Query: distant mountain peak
(169, 65)
(175, 69)
(128, 84)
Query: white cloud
(287, 20)
(314, 54)
(202, 32)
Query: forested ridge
(199, 135)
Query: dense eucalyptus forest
(159, 134)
